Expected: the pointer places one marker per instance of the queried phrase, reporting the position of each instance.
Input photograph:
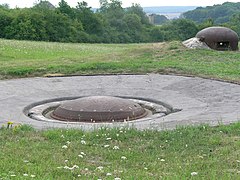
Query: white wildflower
(26, 161)
(33, 176)
(64, 147)
(123, 158)
(117, 178)
(71, 168)
(13, 175)
(146, 168)
(81, 156)
(115, 147)
(162, 160)
(194, 173)
(106, 146)
(66, 167)
(108, 174)
(25, 174)
(82, 153)
(83, 142)
(75, 166)
(66, 161)
(100, 168)
(68, 142)
(108, 139)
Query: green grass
(212, 152)
(28, 59)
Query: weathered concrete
(195, 43)
(201, 100)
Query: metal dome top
(219, 38)
(98, 109)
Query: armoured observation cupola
(219, 38)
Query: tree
(208, 23)
(104, 5)
(5, 6)
(134, 27)
(92, 24)
(156, 34)
(234, 23)
(5, 21)
(61, 28)
(44, 5)
(160, 19)
(180, 29)
(65, 9)
(138, 10)
(27, 25)
(112, 10)
(185, 28)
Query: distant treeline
(219, 14)
(109, 24)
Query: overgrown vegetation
(43, 22)
(111, 23)
(200, 152)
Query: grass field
(198, 153)
(185, 153)
(27, 59)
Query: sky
(126, 3)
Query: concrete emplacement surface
(202, 101)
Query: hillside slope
(28, 59)
(218, 13)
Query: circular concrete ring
(202, 101)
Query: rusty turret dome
(219, 38)
(98, 109)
